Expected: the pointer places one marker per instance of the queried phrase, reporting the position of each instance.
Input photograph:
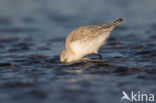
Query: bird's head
(67, 57)
(64, 56)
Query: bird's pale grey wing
(87, 32)
(92, 31)
(81, 33)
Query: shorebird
(86, 40)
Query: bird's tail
(112, 25)
(118, 21)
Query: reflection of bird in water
(125, 96)
(86, 40)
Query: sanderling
(86, 40)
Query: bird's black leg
(99, 55)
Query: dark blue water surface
(32, 36)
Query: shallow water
(32, 35)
